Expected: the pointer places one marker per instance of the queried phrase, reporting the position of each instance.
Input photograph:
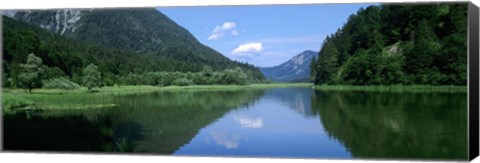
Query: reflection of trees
(396, 125)
(68, 133)
(159, 122)
(172, 119)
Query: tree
(206, 76)
(234, 76)
(419, 60)
(31, 75)
(182, 82)
(313, 69)
(397, 44)
(327, 63)
(92, 77)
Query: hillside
(120, 41)
(397, 44)
(296, 69)
(141, 30)
(64, 56)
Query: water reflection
(229, 141)
(297, 99)
(249, 122)
(396, 125)
(280, 122)
(157, 123)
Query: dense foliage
(397, 44)
(206, 77)
(67, 57)
(31, 73)
(91, 77)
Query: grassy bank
(147, 88)
(394, 88)
(55, 99)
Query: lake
(297, 122)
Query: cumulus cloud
(253, 47)
(222, 30)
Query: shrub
(182, 82)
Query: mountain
(138, 30)
(390, 44)
(294, 70)
(65, 56)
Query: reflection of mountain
(172, 119)
(396, 125)
(297, 99)
(153, 123)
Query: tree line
(397, 44)
(33, 75)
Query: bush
(60, 83)
(182, 82)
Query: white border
(51, 4)
(82, 158)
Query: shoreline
(393, 88)
(44, 99)
(149, 88)
(58, 99)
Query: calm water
(280, 122)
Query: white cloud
(222, 30)
(215, 36)
(253, 47)
(228, 25)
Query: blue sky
(265, 35)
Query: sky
(262, 35)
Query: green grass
(9, 103)
(55, 99)
(394, 88)
(147, 88)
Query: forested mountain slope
(120, 41)
(397, 44)
(140, 30)
(65, 56)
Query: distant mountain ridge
(296, 69)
